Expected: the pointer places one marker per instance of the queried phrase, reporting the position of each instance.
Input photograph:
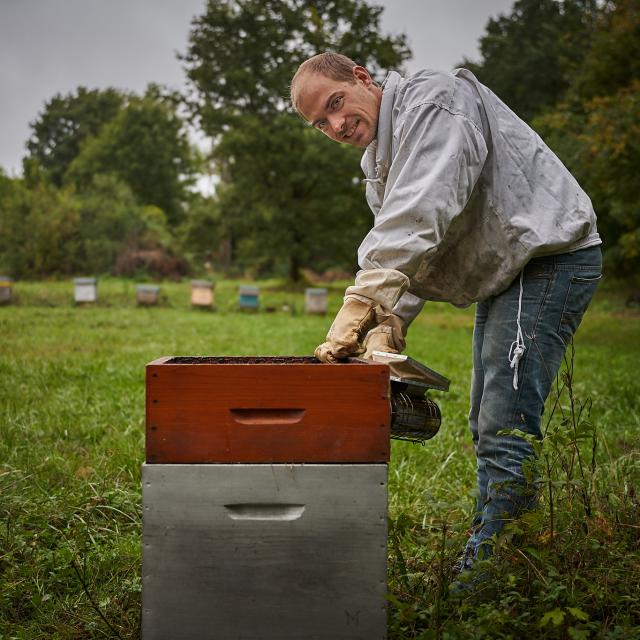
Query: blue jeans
(556, 292)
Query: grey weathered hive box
(86, 289)
(147, 294)
(265, 499)
(315, 301)
(5, 289)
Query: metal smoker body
(414, 416)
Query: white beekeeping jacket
(463, 192)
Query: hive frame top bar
(406, 369)
(246, 360)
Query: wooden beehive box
(5, 289)
(202, 293)
(249, 298)
(315, 301)
(265, 499)
(147, 294)
(235, 409)
(85, 289)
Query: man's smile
(352, 129)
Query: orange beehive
(266, 410)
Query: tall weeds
(569, 569)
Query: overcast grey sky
(54, 46)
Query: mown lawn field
(72, 442)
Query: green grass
(71, 446)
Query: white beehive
(315, 301)
(86, 289)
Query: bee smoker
(414, 416)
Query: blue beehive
(249, 297)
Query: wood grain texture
(266, 412)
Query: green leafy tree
(613, 60)
(65, 123)
(296, 203)
(40, 231)
(531, 56)
(46, 231)
(204, 233)
(287, 197)
(110, 221)
(242, 55)
(596, 131)
(10, 223)
(146, 147)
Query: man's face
(346, 112)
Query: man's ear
(360, 74)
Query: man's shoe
(471, 575)
(465, 561)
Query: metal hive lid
(406, 369)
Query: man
(469, 206)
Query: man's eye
(321, 125)
(336, 102)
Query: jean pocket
(579, 294)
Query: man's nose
(337, 124)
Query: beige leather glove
(367, 302)
(355, 318)
(387, 336)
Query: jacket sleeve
(438, 156)
(407, 309)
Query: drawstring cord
(373, 180)
(517, 346)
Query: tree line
(108, 182)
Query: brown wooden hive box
(266, 409)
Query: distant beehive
(5, 289)
(201, 293)
(315, 301)
(86, 289)
(147, 294)
(249, 297)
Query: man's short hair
(329, 64)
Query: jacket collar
(379, 149)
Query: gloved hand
(366, 304)
(387, 336)
(356, 316)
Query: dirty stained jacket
(463, 192)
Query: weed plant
(71, 447)
(570, 569)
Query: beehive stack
(265, 499)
